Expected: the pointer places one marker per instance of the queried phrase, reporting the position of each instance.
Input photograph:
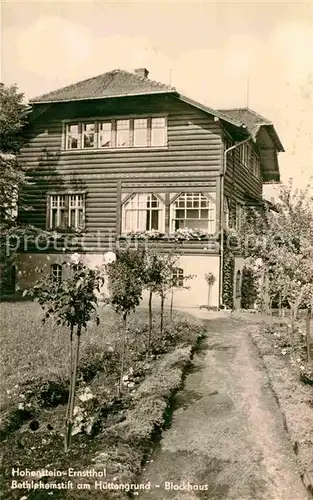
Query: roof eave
(272, 133)
(133, 94)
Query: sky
(223, 54)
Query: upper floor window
(256, 166)
(143, 212)
(244, 155)
(72, 136)
(88, 135)
(141, 132)
(194, 211)
(122, 133)
(117, 133)
(105, 134)
(66, 211)
(158, 131)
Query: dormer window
(145, 132)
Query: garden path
(227, 429)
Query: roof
(214, 112)
(253, 121)
(115, 83)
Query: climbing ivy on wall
(228, 274)
(249, 289)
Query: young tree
(169, 267)
(125, 284)
(210, 279)
(72, 302)
(153, 281)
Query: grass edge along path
(294, 400)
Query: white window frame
(85, 133)
(112, 132)
(178, 277)
(54, 203)
(56, 272)
(256, 165)
(119, 129)
(136, 198)
(150, 120)
(152, 128)
(136, 123)
(57, 204)
(76, 205)
(195, 197)
(245, 155)
(67, 129)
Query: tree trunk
(162, 312)
(120, 386)
(73, 388)
(150, 325)
(209, 296)
(70, 391)
(279, 305)
(308, 337)
(172, 303)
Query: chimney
(143, 72)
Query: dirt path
(227, 429)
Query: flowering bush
(178, 235)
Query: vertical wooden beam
(118, 206)
(167, 212)
(219, 203)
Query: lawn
(34, 390)
(31, 350)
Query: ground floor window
(143, 212)
(178, 277)
(56, 272)
(148, 212)
(194, 211)
(66, 211)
